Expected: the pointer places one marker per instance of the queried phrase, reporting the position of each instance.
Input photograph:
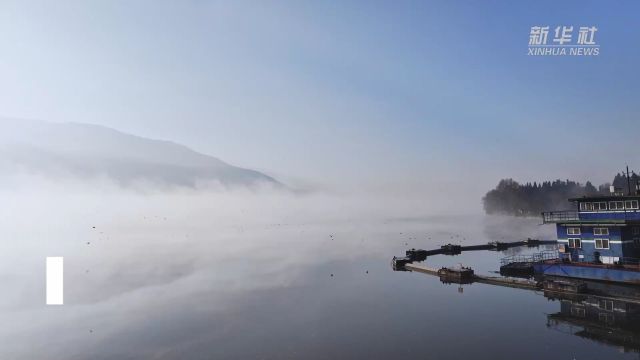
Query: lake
(199, 282)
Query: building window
(600, 231)
(599, 206)
(636, 230)
(606, 318)
(631, 204)
(586, 206)
(616, 205)
(573, 231)
(577, 311)
(606, 305)
(602, 243)
(575, 243)
(636, 242)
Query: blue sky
(376, 93)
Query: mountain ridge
(89, 150)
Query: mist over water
(260, 273)
(231, 179)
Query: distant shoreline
(532, 198)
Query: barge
(600, 240)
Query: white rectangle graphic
(55, 286)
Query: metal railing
(555, 255)
(530, 258)
(559, 216)
(574, 215)
(604, 259)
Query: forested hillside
(530, 199)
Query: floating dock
(413, 255)
(464, 276)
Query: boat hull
(600, 273)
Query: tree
(511, 198)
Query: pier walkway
(491, 280)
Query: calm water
(169, 289)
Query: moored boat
(600, 240)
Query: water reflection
(606, 319)
(204, 277)
(604, 313)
